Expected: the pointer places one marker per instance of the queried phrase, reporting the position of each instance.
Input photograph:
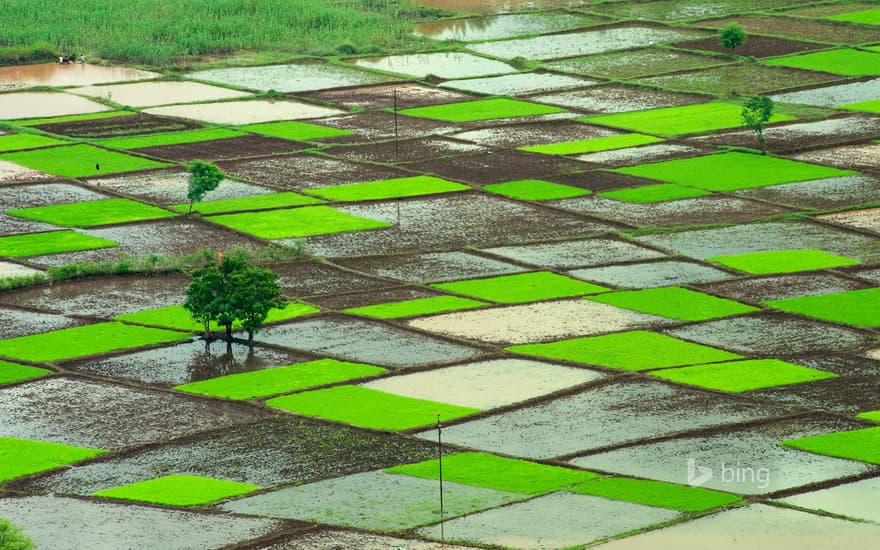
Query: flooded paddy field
(622, 340)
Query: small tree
(256, 292)
(732, 36)
(757, 111)
(203, 177)
(11, 537)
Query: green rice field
(179, 490)
(593, 145)
(657, 493)
(740, 376)
(177, 317)
(481, 109)
(78, 161)
(388, 189)
(521, 287)
(536, 190)
(861, 445)
(783, 261)
(844, 61)
(20, 457)
(92, 213)
(255, 202)
(170, 138)
(295, 130)
(10, 372)
(16, 142)
(411, 308)
(660, 192)
(296, 222)
(855, 307)
(50, 242)
(674, 302)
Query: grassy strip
(676, 121)
(783, 261)
(50, 242)
(634, 350)
(861, 445)
(411, 308)
(20, 457)
(255, 202)
(295, 130)
(536, 190)
(369, 408)
(740, 376)
(277, 380)
(78, 161)
(657, 493)
(481, 109)
(296, 222)
(10, 372)
(496, 472)
(170, 138)
(868, 106)
(860, 308)
(660, 192)
(731, 171)
(15, 142)
(91, 213)
(868, 17)
(873, 416)
(593, 145)
(82, 341)
(179, 490)
(844, 61)
(674, 302)
(522, 287)
(72, 118)
(177, 317)
(388, 189)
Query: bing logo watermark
(698, 475)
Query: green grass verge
(593, 145)
(674, 302)
(10, 372)
(783, 261)
(77, 161)
(660, 192)
(873, 416)
(868, 106)
(255, 202)
(859, 308)
(496, 472)
(179, 490)
(369, 408)
(277, 380)
(296, 222)
(861, 444)
(178, 317)
(50, 242)
(521, 287)
(26, 141)
(295, 130)
(420, 306)
(535, 190)
(634, 350)
(731, 171)
(74, 342)
(387, 189)
(91, 213)
(72, 118)
(170, 138)
(844, 61)
(657, 493)
(481, 109)
(740, 376)
(21, 457)
(868, 17)
(676, 121)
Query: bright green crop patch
(674, 302)
(783, 261)
(91, 213)
(873, 416)
(273, 381)
(388, 189)
(72, 118)
(869, 106)
(868, 17)
(26, 141)
(496, 472)
(178, 317)
(481, 109)
(420, 306)
(10, 372)
(20, 457)
(82, 341)
(535, 190)
(861, 444)
(844, 61)
(593, 145)
(255, 202)
(654, 193)
(50, 242)
(731, 171)
(296, 222)
(860, 308)
(657, 493)
(169, 138)
(368, 408)
(676, 121)
(522, 287)
(295, 130)
(739, 376)
(635, 350)
(78, 161)
(179, 490)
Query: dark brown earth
(831, 32)
(223, 149)
(499, 166)
(755, 46)
(382, 96)
(305, 171)
(121, 126)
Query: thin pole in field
(440, 464)
(396, 144)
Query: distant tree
(256, 292)
(11, 537)
(203, 177)
(757, 111)
(732, 36)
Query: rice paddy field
(543, 289)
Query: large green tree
(757, 111)
(12, 538)
(203, 177)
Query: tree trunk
(229, 332)
(250, 338)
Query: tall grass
(158, 32)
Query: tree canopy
(757, 111)
(203, 177)
(732, 36)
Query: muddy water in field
(45, 104)
(56, 74)
(498, 6)
(502, 26)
